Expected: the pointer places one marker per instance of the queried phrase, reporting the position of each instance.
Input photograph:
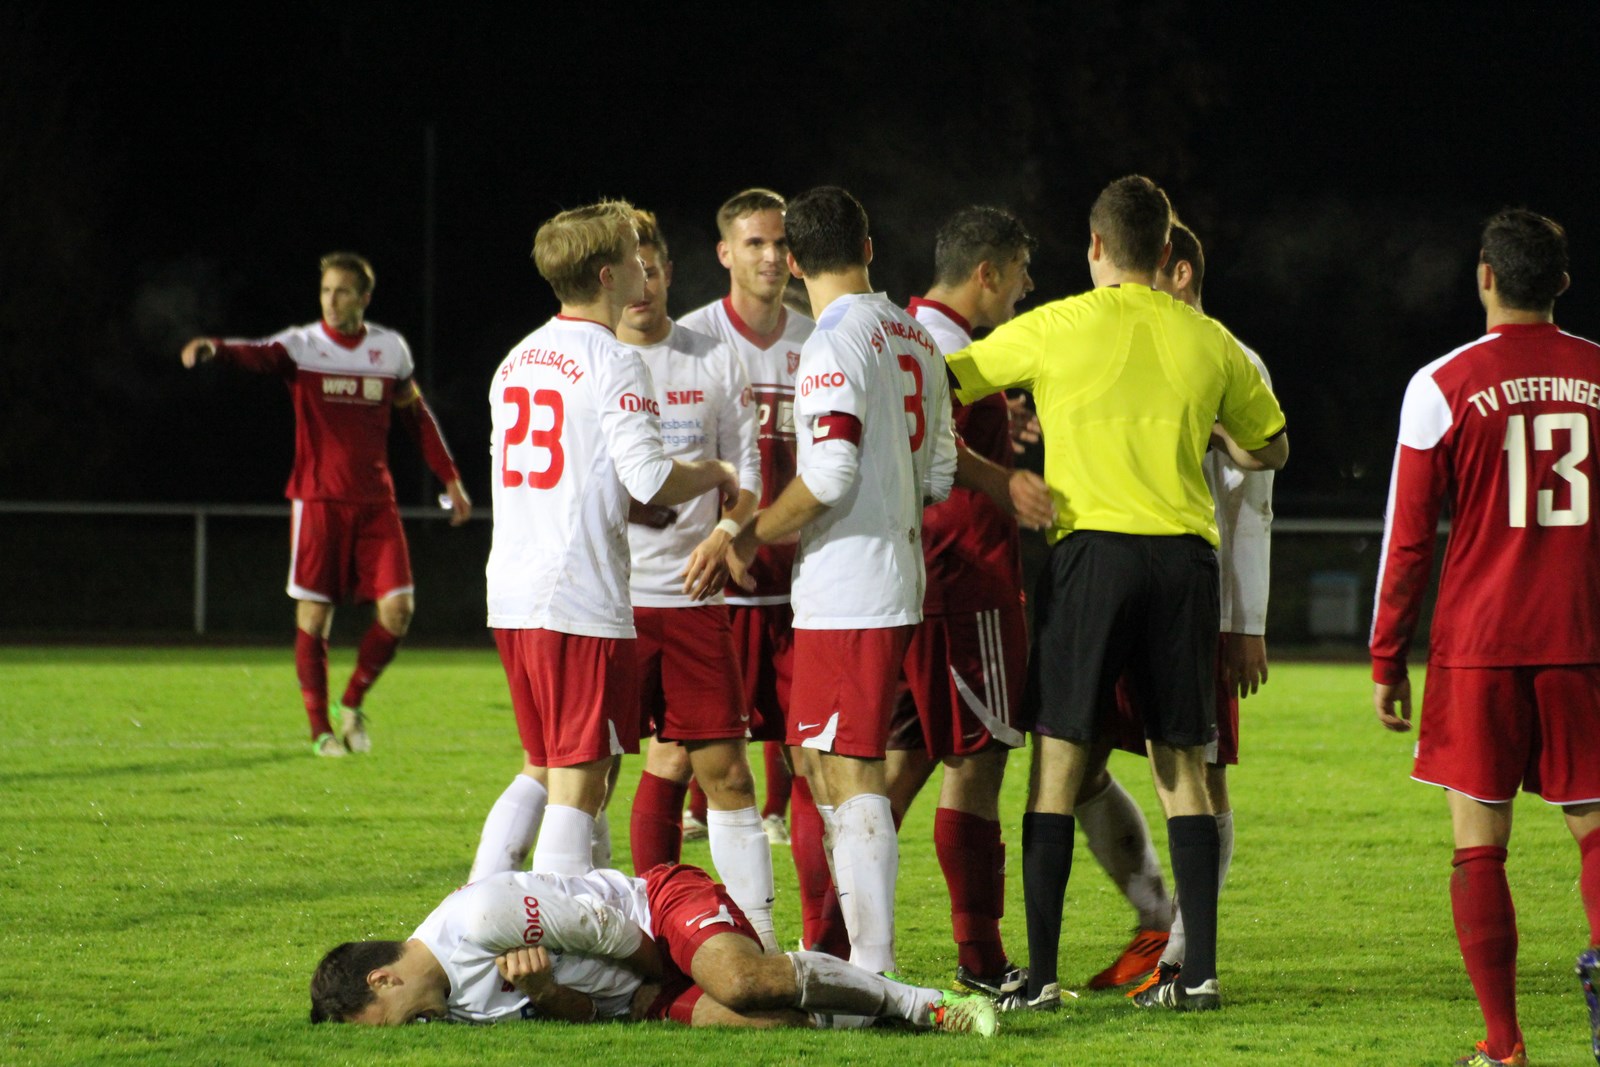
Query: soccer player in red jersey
(346, 376)
(1503, 431)
(967, 661)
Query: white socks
(1119, 837)
(743, 857)
(866, 862)
(510, 829)
(566, 843)
(832, 987)
(1178, 941)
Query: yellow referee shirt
(1127, 382)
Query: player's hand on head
(198, 350)
(1030, 499)
(1393, 704)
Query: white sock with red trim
(510, 829)
(566, 842)
(742, 855)
(866, 858)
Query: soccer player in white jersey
(345, 375)
(1112, 822)
(575, 436)
(692, 700)
(597, 946)
(968, 657)
(873, 417)
(767, 337)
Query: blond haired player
(346, 376)
(576, 433)
(873, 415)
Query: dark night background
(168, 171)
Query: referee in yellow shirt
(1130, 385)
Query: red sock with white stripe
(311, 665)
(655, 830)
(375, 653)
(1486, 927)
(968, 848)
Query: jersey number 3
(915, 415)
(548, 439)
(1545, 427)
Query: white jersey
(1244, 522)
(860, 565)
(575, 432)
(586, 923)
(770, 363)
(948, 333)
(706, 413)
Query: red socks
(821, 921)
(1486, 927)
(970, 852)
(311, 664)
(1589, 883)
(656, 828)
(376, 651)
(779, 780)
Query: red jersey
(343, 388)
(971, 548)
(1502, 431)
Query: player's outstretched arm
(1021, 494)
(796, 506)
(200, 350)
(688, 480)
(531, 971)
(1393, 703)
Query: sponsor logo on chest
(635, 402)
(367, 390)
(685, 396)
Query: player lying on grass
(670, 945)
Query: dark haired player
(346, 376)
(1503, 430)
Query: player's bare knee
(394, 614)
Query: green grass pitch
(176, 862)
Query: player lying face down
(671, 945)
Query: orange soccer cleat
(1137, 960)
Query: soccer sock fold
(743, 857)
(510, 828)
(1047, 842)
(655, 829)
(565, 842)
(1194, 844)
(376, 651)
(967, 846)
(866, 861)
(1486, 927)
(1589, 883)
(780, 783)
(311, 665)
(830, 985)
(1119, 837)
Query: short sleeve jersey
(1503, 432)
(574, 432)
(706, 413)
(1244, 525)
(586, 923)
(1128, 382)
(859, 565)
(342, 387)
(770, 362)
(971, 548)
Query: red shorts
(764, 636)
(687, 909)
(688, 687)
(1485, 731)
(964, 675)
(343, 552)
(845, 683)
(1126, 728)
(576, 698)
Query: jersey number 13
(1576, 428)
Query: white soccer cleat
(777, 833)
(693, 828)
(353, 729)
(327, 745)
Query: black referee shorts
(1110, 604)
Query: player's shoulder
(697, 343)
(1459, 358)
(708, 318)
(797, 327)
